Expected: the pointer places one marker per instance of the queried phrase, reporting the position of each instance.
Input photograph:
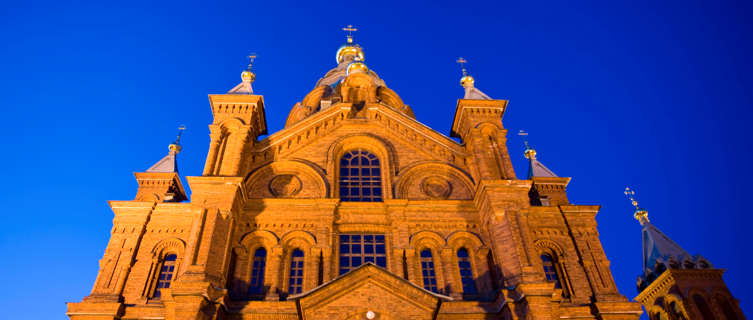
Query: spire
(659, 251)
(247, 78)
(468, 82)
(535, 168)
(170, 162)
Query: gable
(365, 289)
(400, 142)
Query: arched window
(296, 272)
(360, 177)
(703, 307)
(466, 275)
(729, 312)
(256, 287)
(165, 276)
(427, 270)
(550, 270)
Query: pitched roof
(369, 267)
(168, 164)
(242, 88)
(472, 92)
(537, 169)
(659, 247)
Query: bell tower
(676, 285)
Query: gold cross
(180, 132)
(251, 58)
(523, 135)
(631, 195)
(350, 30)
(462, 63)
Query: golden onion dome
(248, 76)
(356, 67)
(529, 153)
(349, 50)
(467, 81)
(174, 147)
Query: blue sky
(654, 95)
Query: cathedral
(355, 210)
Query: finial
(466, 81)
(529, 152)
(251, 58)
(175, 146)
(462, 63)
(350, 30)
(248, 75)
(640, 214)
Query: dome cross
(350, 31)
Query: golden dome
(175, 147)
(248, 76)
(529, 153)
(349, 50)
(467, 81)
(357, 67)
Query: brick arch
(671, 297)
(469, 240)
(427, 239)
(549, 246)
(408, 183)
(488, 129)
(719, 295)
(259, 238)
(313, 183)
(299, 238)
(232, 124)
(171, 245)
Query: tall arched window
(296, 272)
(165, 276)
(729, 312)
(466, 274)
(427, 270)
(360, 177)
(256, 287)
(703, 307)
(550, 270)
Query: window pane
(362, 249)
(360, 174)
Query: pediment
(365, 289)
(377, 119)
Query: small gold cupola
(247, 78)
(349, 51)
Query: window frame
(370, 182)
(472, 278)
(259, 289)
(155, 281)
(427, 260)
(362, 254)
(291, 268)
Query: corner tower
(675, 284)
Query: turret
(161, 182)
(478, 124)
(547, 188)
(238, 121)
(674, 284)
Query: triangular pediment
(365, 289)
(392, 125)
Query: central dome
(349, 52)
(349, 81)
